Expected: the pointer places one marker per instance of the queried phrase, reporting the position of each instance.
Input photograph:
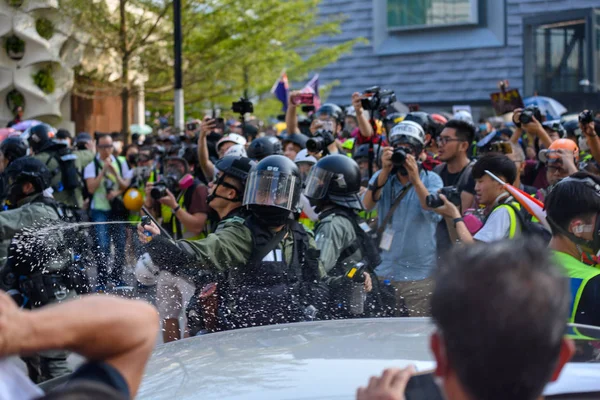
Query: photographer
(366, 130)
(407, 226)
(502, 222)
(179, 200)
(207, 128)
(589, 127)
(453, 144)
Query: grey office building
(439, 53)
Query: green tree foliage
(230, 46)
(44, 28)
(44, 79)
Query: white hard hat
(351, 112)
(463, 115)
(304, 157)
(408, 129)
(145, 271)
(232, 138)
(237, 150)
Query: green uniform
(334, 234)
(231, 246)
(53, 363)
(74, 198)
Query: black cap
(63, 134)
(83, 137)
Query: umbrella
(6, 132)
(24, 125)
(549, 107)
(140, 129)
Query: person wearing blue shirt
(407, 234)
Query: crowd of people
(345, 212)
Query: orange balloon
(133, 200)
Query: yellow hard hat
(133, 199)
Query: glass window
(406, 14)
(560, 56)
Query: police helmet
(13, 148)
(555, 126)
(335, 178)
(39, 136)
(362, 153)
(572, 128)
(263, 147)
(297, 138)
(236, 167)
(275, 183)
(29, 169)
(331, 110)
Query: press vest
(514, 225)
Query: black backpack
(530, 228)
(67, 168)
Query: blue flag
(280, 90)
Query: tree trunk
(124, 72)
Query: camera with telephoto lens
(528, 113)
(586, 117)
(451, 193)
(159, 190)
(376, 99)
(243, 106)
(319, 142)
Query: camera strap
(395, 204)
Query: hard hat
(304, 157)
(233, 138)
(410, 131)
(463, 115)
(133, 199)
(551, 155)
(237, 150)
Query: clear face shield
(317, 183)
(274, 189)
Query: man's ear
(28, 188)
(567, 349)
(436, 343)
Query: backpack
(529, 227)
(464, 174)
(67, 168)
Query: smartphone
(220, 124)
(192, 126)
(423, 386)
(306, 98)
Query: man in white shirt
(107, 179)
(501, 220)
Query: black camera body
(528, 113)
(399, 157)
(320, 141)
(451, 193)
(243, 106)
(159, 190)
(377, 99)
(586, 117)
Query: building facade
(439, 53)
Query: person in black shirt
(453, 145)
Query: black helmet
(235, 166)
(273, 189)
(363, 152)
(264, 147)
(13, 148)
(331, 110)
(296, 138)
(39, 136)
(572, 128)
(29, 169)
(190, 154)
(335, 178)
(429, 125)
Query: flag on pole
(313, 87)
(532, 205)
(281, 89)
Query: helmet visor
(317, 183)
(272, 188)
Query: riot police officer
(263, 147)
(39, 265)
(271, 262)
(348, 252)
(65, 166)
(10, 149)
